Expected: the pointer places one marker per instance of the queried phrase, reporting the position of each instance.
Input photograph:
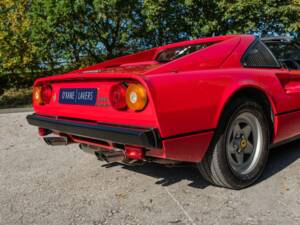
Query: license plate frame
(78, 96)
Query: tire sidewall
(241, 106)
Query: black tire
(216, 167)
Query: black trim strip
(187, 134)
(144, 137)
(289, 140)
(287, 112)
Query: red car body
(186, 98)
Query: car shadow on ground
(279, 159)
(168, 175)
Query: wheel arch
(257, 94)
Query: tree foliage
(41, 37)
(17, 51)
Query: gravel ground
(41, 184)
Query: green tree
(17, 51)
(14, 37)
(260, 16)
(41, 37)
(80, 32)
(165, 21)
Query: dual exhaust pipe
(113, 155)
(103, 154)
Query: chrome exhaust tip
(110, 156)
(89, 148)
(55, 141)
(115, 155)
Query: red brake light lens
(46, 94)
(117, 96)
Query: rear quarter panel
(190, 102)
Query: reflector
(133, 152)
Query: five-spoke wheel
(239, 151)
(243, 145)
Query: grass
(16, 98)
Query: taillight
(37, 95)
(46, 94)
(132, 96)
(117, 96)
(136, 97)
(42, 94)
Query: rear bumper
(143, 137)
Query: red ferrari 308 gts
(218, 102)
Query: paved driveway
(41, 184)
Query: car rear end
(135, 107)
(103, 113)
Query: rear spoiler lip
(79, 76)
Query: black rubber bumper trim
(143, 137)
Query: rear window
(259, 56)
(171, 54)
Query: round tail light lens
(136, 97)
(37, 95)
(117, 96)
(46, 94)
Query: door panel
(289, 122)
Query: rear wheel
(239, 151)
